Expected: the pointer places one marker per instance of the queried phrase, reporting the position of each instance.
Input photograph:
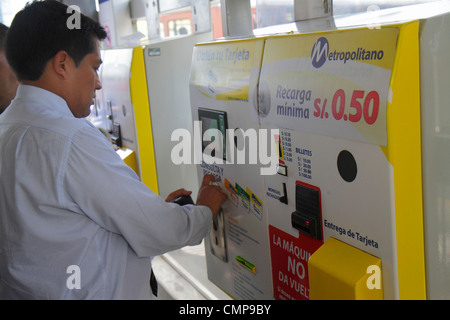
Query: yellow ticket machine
(356, 206)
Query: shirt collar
(42, 99)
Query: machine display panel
(213, 119)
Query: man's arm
(99, 185)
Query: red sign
(290, 263)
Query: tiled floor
(171, 285)
(182, 275)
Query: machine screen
(213, 119)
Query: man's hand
(210, 195)
(178, 193)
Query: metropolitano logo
(320, 52)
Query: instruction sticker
(290, 257)
(225, 71)
(255, 204)
(335, 84)
(232, 192)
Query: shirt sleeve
(99, 185)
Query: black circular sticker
(347, 166)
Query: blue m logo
(319, 52)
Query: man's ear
(62, 63)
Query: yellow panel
(404, 153)
(339, 271)
(129, 157)
(139, 98)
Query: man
(75, 221)
(8, 80)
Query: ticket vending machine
(167, 68)
(435, 116)
(121, 110)
(333, 96)
(222, 76)
(356, 206)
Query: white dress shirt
(67, 199)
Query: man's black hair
(3, 31)
(40, 30)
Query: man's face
(84, 82)
(8, 82)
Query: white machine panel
(222, 78)
(113, 109)
(335, 178)
(167, 66)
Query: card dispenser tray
(307, 215)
